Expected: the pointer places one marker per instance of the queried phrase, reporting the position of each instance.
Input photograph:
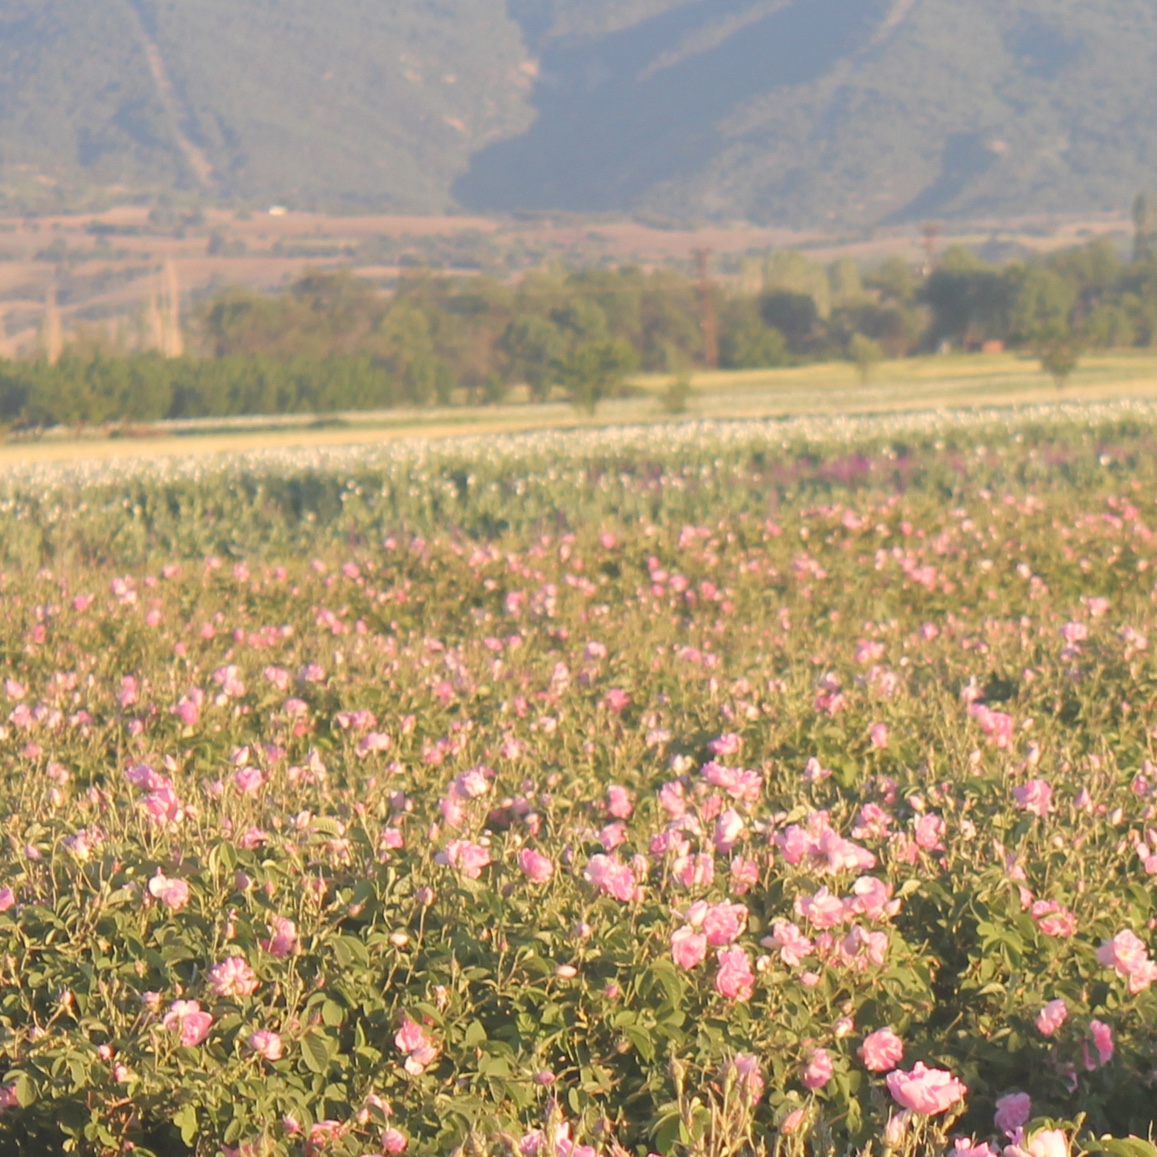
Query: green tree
(593, 370)
(533, 346)
(865, 354)
(1059, 356)
(1142, 227)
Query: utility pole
(931, 237)
(708, 319)
(53, 329)
(173, 345)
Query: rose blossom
(750, 1079)
(420, 1048)
(1013, 1112)
(688, 947)
(734, 980)
(791, 943)
(174, 894)
(467, 858)
(1045, 1143)
(265, 1044)
(881, 1051)
(187, 1020)
(925, 1090)
(1128, 955)
(535, 866)
(619, 802)
(966, 1147)
(612, 876)
(1102, 1036)
(283, 937)
(1051, 1017)
(232, 977)
(1034, 797)
(818, 1071)
(724, 923)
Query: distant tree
(1059, 356)
(1142, 226)
(1043, 305)
(795, 315)
(865, 354)
(593, 370)
(755, 347)
(675, 396)
(969, 300)
(894, 281)
(533, 346)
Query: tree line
(333, 342)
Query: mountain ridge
(783, 112)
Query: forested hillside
(798, 112)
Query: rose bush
(734, 797)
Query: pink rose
(688, 947)
(823, 910)
(1051, 1017)
(535, 866)
(966, 1147)
(232, 978)
(1102, 1036)
(265, 1044)
(734, 980)
(1013, 1112)
(619, 802)
(420, 1048)
(1044, 1143)
(174, 894)
(1034, 797)
(187, 1020)
(393, 1141)
(248, 780)
(789, 941)
(750, 1078)
(881, 1051)
(818, 1070)
(612, 876)
(724, 923)
(1129, 956)
(925, 1090)
(283, 937)
(467, 858)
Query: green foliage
(593, 370)
(676, 395)
(256, 681)
(865, 354)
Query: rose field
(758, 788)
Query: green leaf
(349, 950)
(315, 1052)
(185, 1118)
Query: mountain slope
(798, 112)
(801, 111)
(350, 101)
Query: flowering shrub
(808, 815)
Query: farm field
(911, 384)
(717, 788)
